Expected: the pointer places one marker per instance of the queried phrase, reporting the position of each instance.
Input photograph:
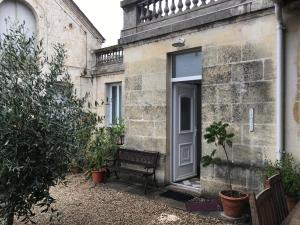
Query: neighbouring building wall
(58, 23)
(292, 19)
(238, 75)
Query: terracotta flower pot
(233, 204)
(98, 176)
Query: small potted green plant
(233, 201)
(290, 173)
(118, 131)
(78, 161)
(98, 152)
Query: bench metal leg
(146, 184)
(117, 176)
(107, 175)
(155, 182)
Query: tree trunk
(228, 168)
(9, 219)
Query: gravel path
(80, 204)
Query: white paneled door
(16, 12)
(184, 131)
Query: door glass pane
(114, 103)
(185, 114)
(188, 64)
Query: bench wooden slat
(275, 183)
(146, 160)
(128, 170)
(262, 208)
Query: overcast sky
(106, 15)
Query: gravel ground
(81, 204)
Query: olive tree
(42, 123)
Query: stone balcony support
(146, 19)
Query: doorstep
(196, 192)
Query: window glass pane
(185, 114)
(114, 103)
(24, 14)
(120, 101)
(7, 10)
(188, 64)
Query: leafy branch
(42, 122)
(217, 134)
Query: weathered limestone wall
(293, 83)
(57, 23)
(145, 103)
(238, 74)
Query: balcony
(146, 19)
(109, 60)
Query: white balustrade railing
(109, 55)
(150, 10)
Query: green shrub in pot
(289, 169)
(99, 149)
(233, 201)
(117, 131)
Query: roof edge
(83, 18)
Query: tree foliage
(42, 123)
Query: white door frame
(171, 131)
(171, 127)
(192, 130)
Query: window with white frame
(12, 11)
(114, 101)
(187, 66)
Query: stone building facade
(237, 43)
(107, 73)
(233, 44)
(59, 21)
(237, 74)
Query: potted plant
(98, 152)
(290, 173)
(78, 161)
(118, 131)
(233, 201)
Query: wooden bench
(275, 183)
(263, 208)
(269, 207)
(140, 163)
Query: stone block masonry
(238, 78)
(238, 74)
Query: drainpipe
(280, 82)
